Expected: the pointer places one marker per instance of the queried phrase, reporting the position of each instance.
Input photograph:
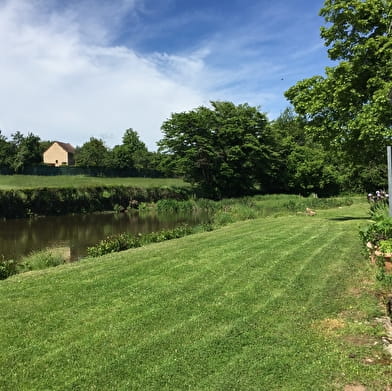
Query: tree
(7, 152)
(349, 107)
(225, 150)
(305, 166)
(27, 150)
(132, 153)
(92, 153)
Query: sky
(75, 69)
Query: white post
(389, 157)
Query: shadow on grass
(348, 218)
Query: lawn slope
(256, 305)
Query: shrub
(114, 243)
(7, 268)
(377, 231)
(125, 241)
(172, 206)
(39, 260)
(301, 203)
(379, 210)
(386, 246)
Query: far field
(276, 303)
(31, 181)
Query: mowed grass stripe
(283, 305)
(154, 269)
(165, 336)
(95, 316)
(175, 315)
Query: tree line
(20, 152)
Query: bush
(379, 210)
(7, 268)
(114, 243)
(377, 231)
(172, 206)
(39, 260)
(125, 241)
(386, 246)
(301, 203)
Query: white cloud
(59, 85)
(62, 77)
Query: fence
(86, 171)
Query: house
(59, 154)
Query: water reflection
(75, 233)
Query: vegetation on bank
(37, 260)
(59, 201)
(219, 213)
(282, 302)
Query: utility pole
(389, 158)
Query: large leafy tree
(7, 152)
(305, 166)
(26, 150)
(350, 106)
(132, 153)
(226, 150)
(92, 153)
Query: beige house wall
(56, 155)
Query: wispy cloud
(82, 68)
(62, 86)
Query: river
(74, 233)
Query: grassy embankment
(8, 182)
(278, 303)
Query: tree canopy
(132, 153)
(350, 106)
(92, 153)
(26, 150)
(305, 165)
(226, 150)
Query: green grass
(32, 181)
(268, 304)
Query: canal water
(74, 233)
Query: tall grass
(171, 206)
(37, 260)
(42, 259)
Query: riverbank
(52, 201)
(283, 302)
(30, 244)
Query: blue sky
(76, 69)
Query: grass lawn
(283, 303)
(30, 181)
